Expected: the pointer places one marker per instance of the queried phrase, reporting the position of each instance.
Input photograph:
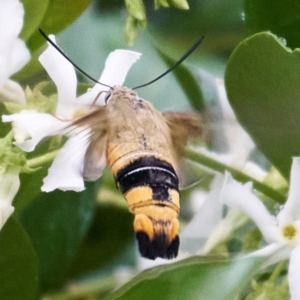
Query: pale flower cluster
(13, 52)
(13, 56)
(66, 170)
(281, 232)
(30, 126)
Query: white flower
(13, 52)
(208, 216)
(282, 232)
(6, 211)
(31, 127)
(239, 142)
(231, 145)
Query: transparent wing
(182, 126)
(95, 157)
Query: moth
(143, 149)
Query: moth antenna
(67, 58)
(187, 54)
(98, 96)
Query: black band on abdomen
(150, 171)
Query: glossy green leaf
(59, 15)
(18, 263)
(56, 223)
(262, 81)
(280, 17)
(34, 13)
(194, 278)
(52, 16)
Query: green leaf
(56, 223)
(52, 16)
(18, 263)
(30, 187)
(193, 278)
(59, 15)
(31, 183)
(110, 234)
(34, 13)
(198, 85)
(277, 16)
(262, 81)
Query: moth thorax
(157, 237)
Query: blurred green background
(75, 237)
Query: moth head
(156, 237)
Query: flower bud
(181, 4)
(136, 9)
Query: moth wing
(184, 125)
(95, 156)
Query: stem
(277, 271)
(240, 176)
(40, 160)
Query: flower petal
(11, 22)
(223, 232)
(116, 68)
(65, 172)
(206, 219)
(239, 196)
(31, 127)
(11, 91)
(291, 209)
(20, 55)
(275, 253)
(10, 183)
(63, 74)
(6, 209)
(239, 142)
(294, 273)
(11, 19)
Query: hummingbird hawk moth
(143, 148)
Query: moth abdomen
(150, 186)
(159, 246)
(147, 170)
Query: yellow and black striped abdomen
(150, 186)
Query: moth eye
(107, 97)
